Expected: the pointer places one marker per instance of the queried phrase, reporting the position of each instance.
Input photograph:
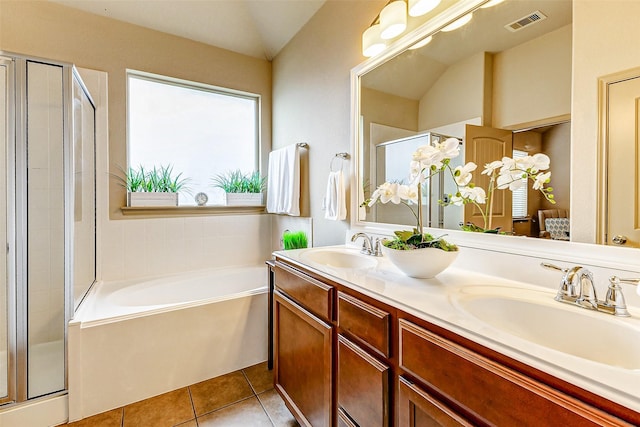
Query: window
(519, 201)
(199, 130)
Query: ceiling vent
(530, 19)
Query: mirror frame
(574, 252)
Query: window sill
(190, 210)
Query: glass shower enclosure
(47, 220)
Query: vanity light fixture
(491, 3)
(372, 43)
(420, 7)
(425, 41)
(458, 23)
(393, 19)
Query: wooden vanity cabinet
(346, 359)
(484, 390)
(304, 338)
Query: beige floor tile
(221, 391)
(191, 423)
(276, 409)
(168, 409)
(246, 413)
(111, 418)
(260, 378)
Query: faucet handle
(568, 289)
(615, 298)
(377, 247)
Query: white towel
(335, 203)
(283, 185)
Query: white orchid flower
(456, 200)
(541, 162)
(541, 179)
(462, 174)
(415, 172)
(424, 152)
(524, 163)
(475, 194)
(409, 193)
(449, 148)
(511, 179)
(489, 168)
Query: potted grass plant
(241, 189)
(158, 186)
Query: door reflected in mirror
(483, 74)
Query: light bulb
(420, 7)
(393, 19)
(425, 41)
(372, 44)
(458, 23)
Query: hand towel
(335, 203)
(283, 186)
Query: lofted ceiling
(258, 28)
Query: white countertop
(434, 300)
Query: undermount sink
(339, 258)
(536, 317)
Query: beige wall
(532, 81)
(458, 94)
(311, 92)
(605, 41)
(48, 30)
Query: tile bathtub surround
(241, 398)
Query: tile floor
(243, 398)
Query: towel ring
(340, 156)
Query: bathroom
(306, 96)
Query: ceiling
(258, 28)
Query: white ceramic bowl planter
(423, 263)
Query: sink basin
(339, 258)
(536, 317)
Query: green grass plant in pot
(241, 189)
(158, 186)
(294, 240)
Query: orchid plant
(429, 160)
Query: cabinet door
(363, 385)
(303, 362)
(417, 408)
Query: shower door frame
(17, 210)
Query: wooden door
(484, 145)
(623, 163)
(303, 362)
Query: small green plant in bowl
(294, 240)
(241, 189)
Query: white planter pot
(422, 263)
(152, 199)
(244, 199)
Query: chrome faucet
(369, 246)
(584, 293)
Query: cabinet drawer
(417, 408)
(363, 386)
(312, 294)
(503, 396)
(366, 322)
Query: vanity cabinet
(347, 359)
(304, 346)
(485, 391)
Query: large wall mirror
(509, 68)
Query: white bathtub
(131, 340)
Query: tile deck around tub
(241, 398)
